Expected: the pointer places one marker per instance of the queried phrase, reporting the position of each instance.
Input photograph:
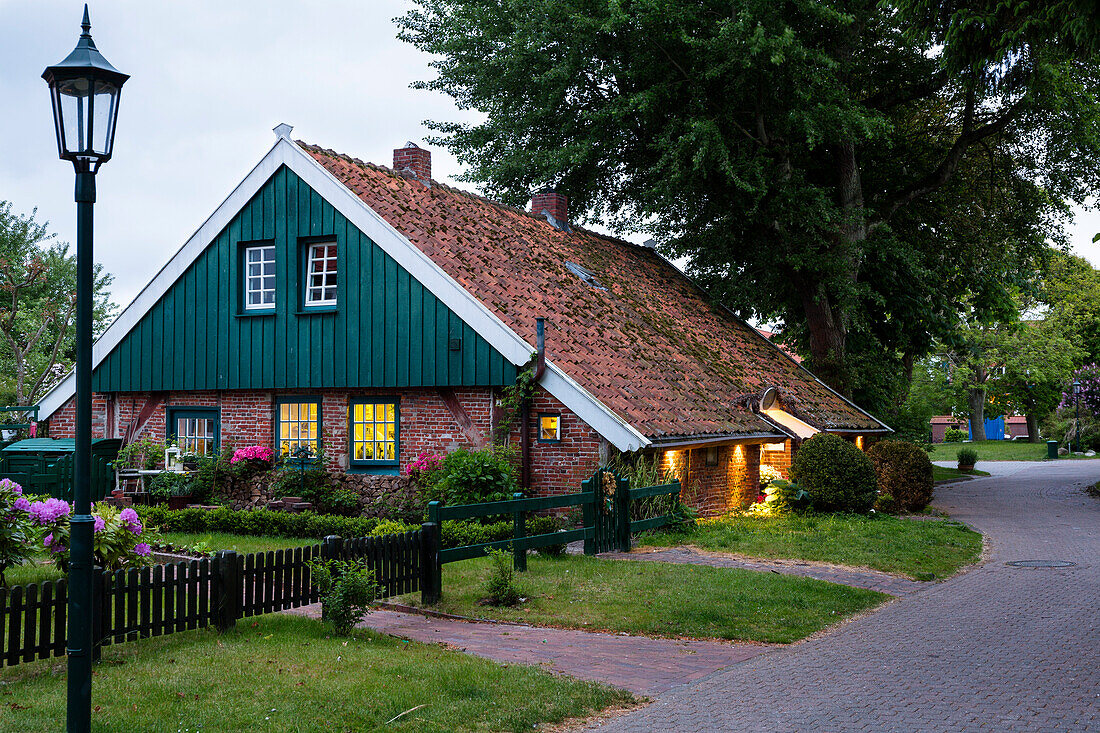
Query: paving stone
(997, 648)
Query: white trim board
(467, 307)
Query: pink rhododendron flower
(22, 504)
(130, 520)
(252, 453)
(52, 546)
(8, 485)
(100, 524)
(142, 549)
(49, 511)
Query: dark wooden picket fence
(138, 603)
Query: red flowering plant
(424, 469)
(251, 459)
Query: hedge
(312, 526)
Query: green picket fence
(53, 476)
(605, 503)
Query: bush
(500, 586)
(904, 472)
(781, 497)
(954, 435)
(347, 591)
(839, 476)
(16, 531)
(967, 457)
(311, 481)
(169, 483)
(473, 477)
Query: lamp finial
(86, 24)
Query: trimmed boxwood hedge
(838, 475)
(313, 526)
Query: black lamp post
(1077, 407)
(85, 91)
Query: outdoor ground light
(85, 90)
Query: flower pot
(180, 502)
(966, 466)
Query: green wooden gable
(386, 330)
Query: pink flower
(130, 520)
(253, 453)
(100, 523)
(8, 485)
(52, 546)
(49, 511)
(22, 504)
(142, 549)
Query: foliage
(425, 468)
(118, 540)
(780, 497)
(884, 170)
(511, 402)
(839, 476)
(769, 473)
(500, 585)
(1070, 293)
(475, 476)
(904, 473)
(16, 530)
(929, 394)
(169, 483)
(347, 591)
(311, 480)
(142, 453)
(390, 526)
(640, 471)
(1038, 362)
(967, 456)
(212, 473)
(954, 435)
(38, 306)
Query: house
(386, 313)
(1007, 427)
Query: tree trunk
(1032, 428)
(828, 329)
(977, 413)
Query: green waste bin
(1052, 449)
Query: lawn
(657, 599)
(286, 673)
(993, 450)
(912, 547)
(942, 473)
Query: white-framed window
(299, 424)
(259, 277)
(321, 274)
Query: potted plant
(171, 487)
(967, 458)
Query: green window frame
(197, 430)
(374, 434)
(297, 423)
(549, 427)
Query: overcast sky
(208, 82)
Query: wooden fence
(138, 603)
(605, 504)
(54, 476)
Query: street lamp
(1077, 407)
(85, 89)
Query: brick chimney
(553, 203)
(414, 158)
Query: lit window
(374, 437)
(549, 428)
(298, 426)
(321, 275)
(778, 447)
(194, 430)
(712, 456)
(259, 277)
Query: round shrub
(473, 477)
(904, 472)
(954, 435)
(839, 476)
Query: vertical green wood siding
(387, 330)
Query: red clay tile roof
(649, 347)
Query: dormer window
(321, 274)
(259, 277)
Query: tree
(819, 163)
(38, 305)
(1070, 298)
(1038, 363)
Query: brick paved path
(639, 664)
(998, 648)
(895, 585)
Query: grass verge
(657, 599)
(243, 544)
(994, 450)
(912, 547)
(942, 473)
(286, 673)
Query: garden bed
(288, 673)
(916, 549)
(656, 599)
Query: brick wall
(733, 483)
(427, 424)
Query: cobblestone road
(999, 648)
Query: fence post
(227, 590)
(519, 531)
(588, 516)
(331, 547)
(622, 498)
(431, 570)
(98, 614)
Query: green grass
(285, 673)
(657, 599)
(912, 547)
(241, 543)
(942, 473)
(993, 450)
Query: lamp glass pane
(103, 110)
(74, 97)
